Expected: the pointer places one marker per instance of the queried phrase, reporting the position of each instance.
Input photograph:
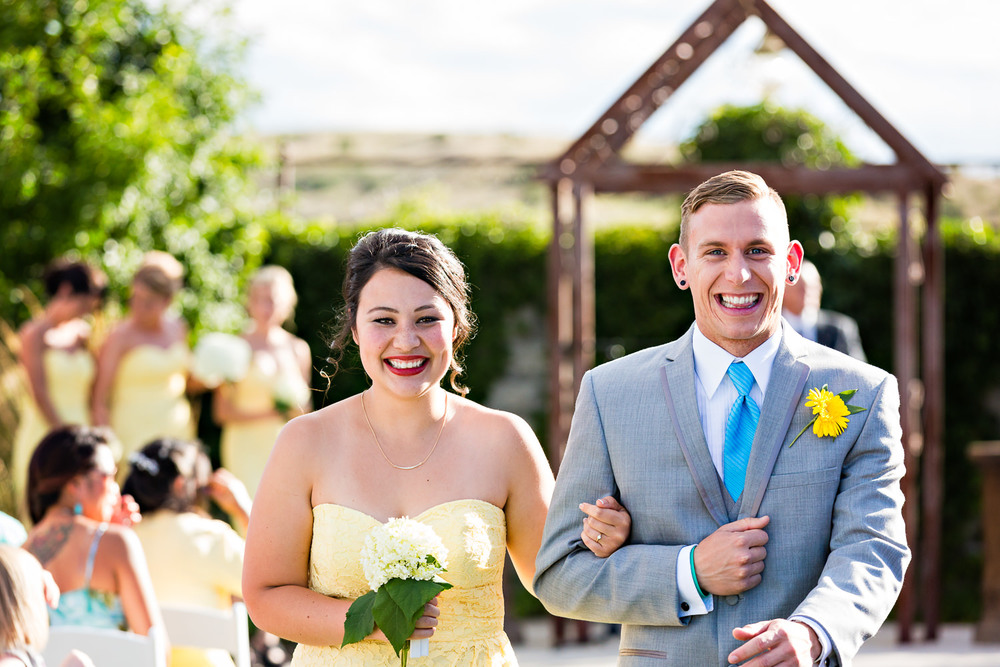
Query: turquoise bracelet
(694, 575)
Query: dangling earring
(77, 509)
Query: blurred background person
(57, 361)
(275, 388)
(81, 534)
(142, 369)
(11, 530)
(26, 590)
(826, 327)
(194, 560)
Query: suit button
(732, 600)
(685, 606)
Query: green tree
(115, 122)
(794, 137)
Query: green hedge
(638, 305)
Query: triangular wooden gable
(594, 157)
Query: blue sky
(550, 67)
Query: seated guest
(81, 533)
(25, 592)
(194, 560)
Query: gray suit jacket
(837, 547)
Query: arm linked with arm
(570, 580)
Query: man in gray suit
(753, 536)
(801, 307)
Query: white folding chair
(107, 648)
(200, 627)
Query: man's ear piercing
(791, 278)
(683, 283)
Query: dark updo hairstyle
(63, 454)
(156, 467)
(422, 256)
(80, 276)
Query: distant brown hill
(345, 177)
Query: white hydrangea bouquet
(401, 560)
(220, 357)
(289, 393)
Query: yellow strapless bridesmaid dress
(470, 629)
(148, 399)
(69, 375)
(245, 446)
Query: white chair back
(107, 648)
(200, 627)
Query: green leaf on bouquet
(360, 622)
(399, 604)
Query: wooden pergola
(593, 165)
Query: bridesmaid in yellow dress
(58, 363)
(253, 410)
(404, 447)
(142, 368)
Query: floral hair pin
(830, 412)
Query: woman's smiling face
(404, 330)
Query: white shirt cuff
(691, 604)
(824, 638)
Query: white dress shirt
(716, 394)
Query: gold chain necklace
(378, 444)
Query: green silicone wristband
(694, 575)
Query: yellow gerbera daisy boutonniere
(830, 411)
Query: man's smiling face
(737, 259)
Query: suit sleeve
(868, 553)
(637, 583)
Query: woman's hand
(231, 495)
(606, 526)
(425, 624)
(127, 513)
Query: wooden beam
(932, 491)
(616, 126)
(905, 368)
(625, 177)
(904, 150)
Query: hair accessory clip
(144, 463)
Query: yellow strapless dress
(148, 399)
(470, 628)
(245, 446)
(69, 375)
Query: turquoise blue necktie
(740, 427)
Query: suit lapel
(677, 379)
(788, 377)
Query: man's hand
(730, 560)
(774, 643)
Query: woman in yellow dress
(254, 409)
(404, 447)
(58, 363)
(142, 368)
(194, 560)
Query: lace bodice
(470, 629)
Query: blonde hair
(282, 287)
(160, 272)
(731, 187)
(24, 619)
